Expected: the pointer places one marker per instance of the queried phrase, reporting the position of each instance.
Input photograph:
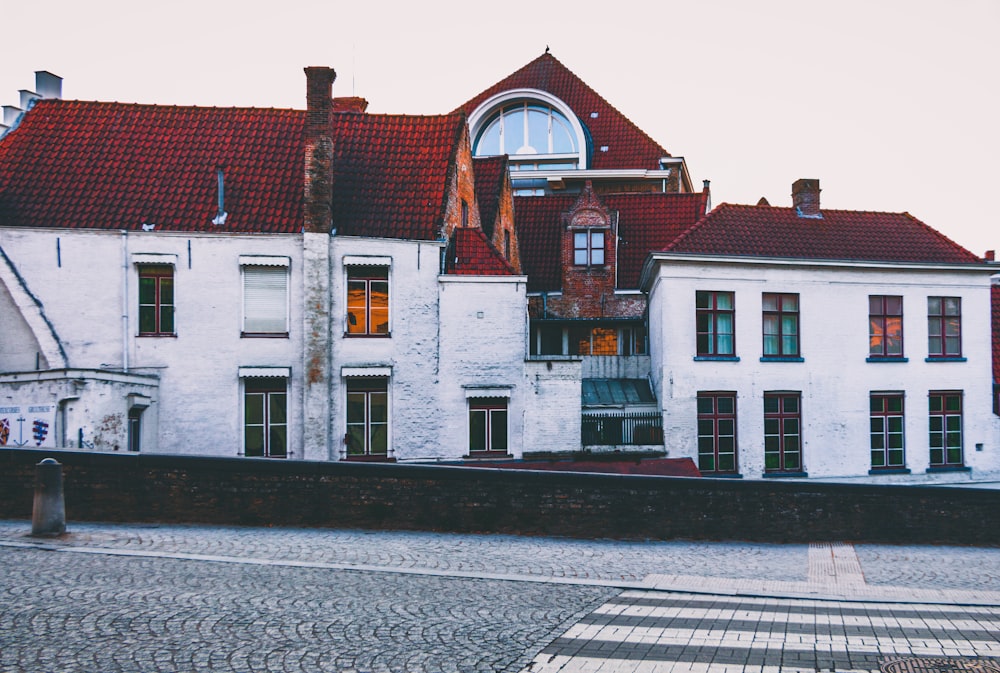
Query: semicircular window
(535, 136)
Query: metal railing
(622, 428)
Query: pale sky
(892, 104)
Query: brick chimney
(805, 197)
(319, 150)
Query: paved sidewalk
(597, 605)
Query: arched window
(536, 133)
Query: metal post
(48, 517)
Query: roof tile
(471, 254)
(850, 235)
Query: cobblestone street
(182, 598)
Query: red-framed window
(367, 417)
(368, 300)
(265, 417)
(715, 323)
(888, 441)
(488, 425)
(945, 410)
(588, 247)
(717, 432)
(780, 324)
(783, 432)
(156, 300)
(885, 326)
(944, 327)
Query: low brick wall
(151, 488)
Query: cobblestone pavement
(108, 597)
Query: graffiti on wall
(27, 425)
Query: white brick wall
(835, 379)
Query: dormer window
(588, 247)
(535, 129)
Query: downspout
(125, 300)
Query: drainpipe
(125, 300)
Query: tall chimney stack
(805, 197)
(319, 150)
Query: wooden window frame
(941, 428)
(491, 408)
(880, 317)
(937, 327)
(709, 430)
(782, 416)
(780, 313)
(708, 334)
(366, 277)
(882, 416)
(161, 275)
(269, 389)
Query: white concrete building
(794, 342)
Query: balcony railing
(618, 428)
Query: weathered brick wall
(147, 488)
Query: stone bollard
(48, 517)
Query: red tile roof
(391, 173)
(646, 222)
(768, 231)
(628, 146)
(471, 254)
(995, 300)
(490, 173)
(118, 166)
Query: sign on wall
(27, 425)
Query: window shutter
(265, 299)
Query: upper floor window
(368, 300)
(535, 135)
(715, 317)
(156, 300)
(944, 327)
(781, 324)
(265, 299)
(588, 247)
(885, 326)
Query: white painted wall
(835, 379)
(78, 277)
(483, 336)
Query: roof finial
(546, 49)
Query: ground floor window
(488, 424)
(367, 417)
(782, 432)
(886, 430)
(265, 417)
(946, 429)
(717, 432)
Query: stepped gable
(471, 254)
(848, 235)
(391, 173)
(93, 165)
(628, 146)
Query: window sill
(721, 475)
(169, 335)
(887, 359)
(370, 459)
(353, 335)
(263, 335)
(716, 358)
(784, 475)
(949, 358)
(888, 470)
(782, 358)
(948, 468)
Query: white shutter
(265, 299)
